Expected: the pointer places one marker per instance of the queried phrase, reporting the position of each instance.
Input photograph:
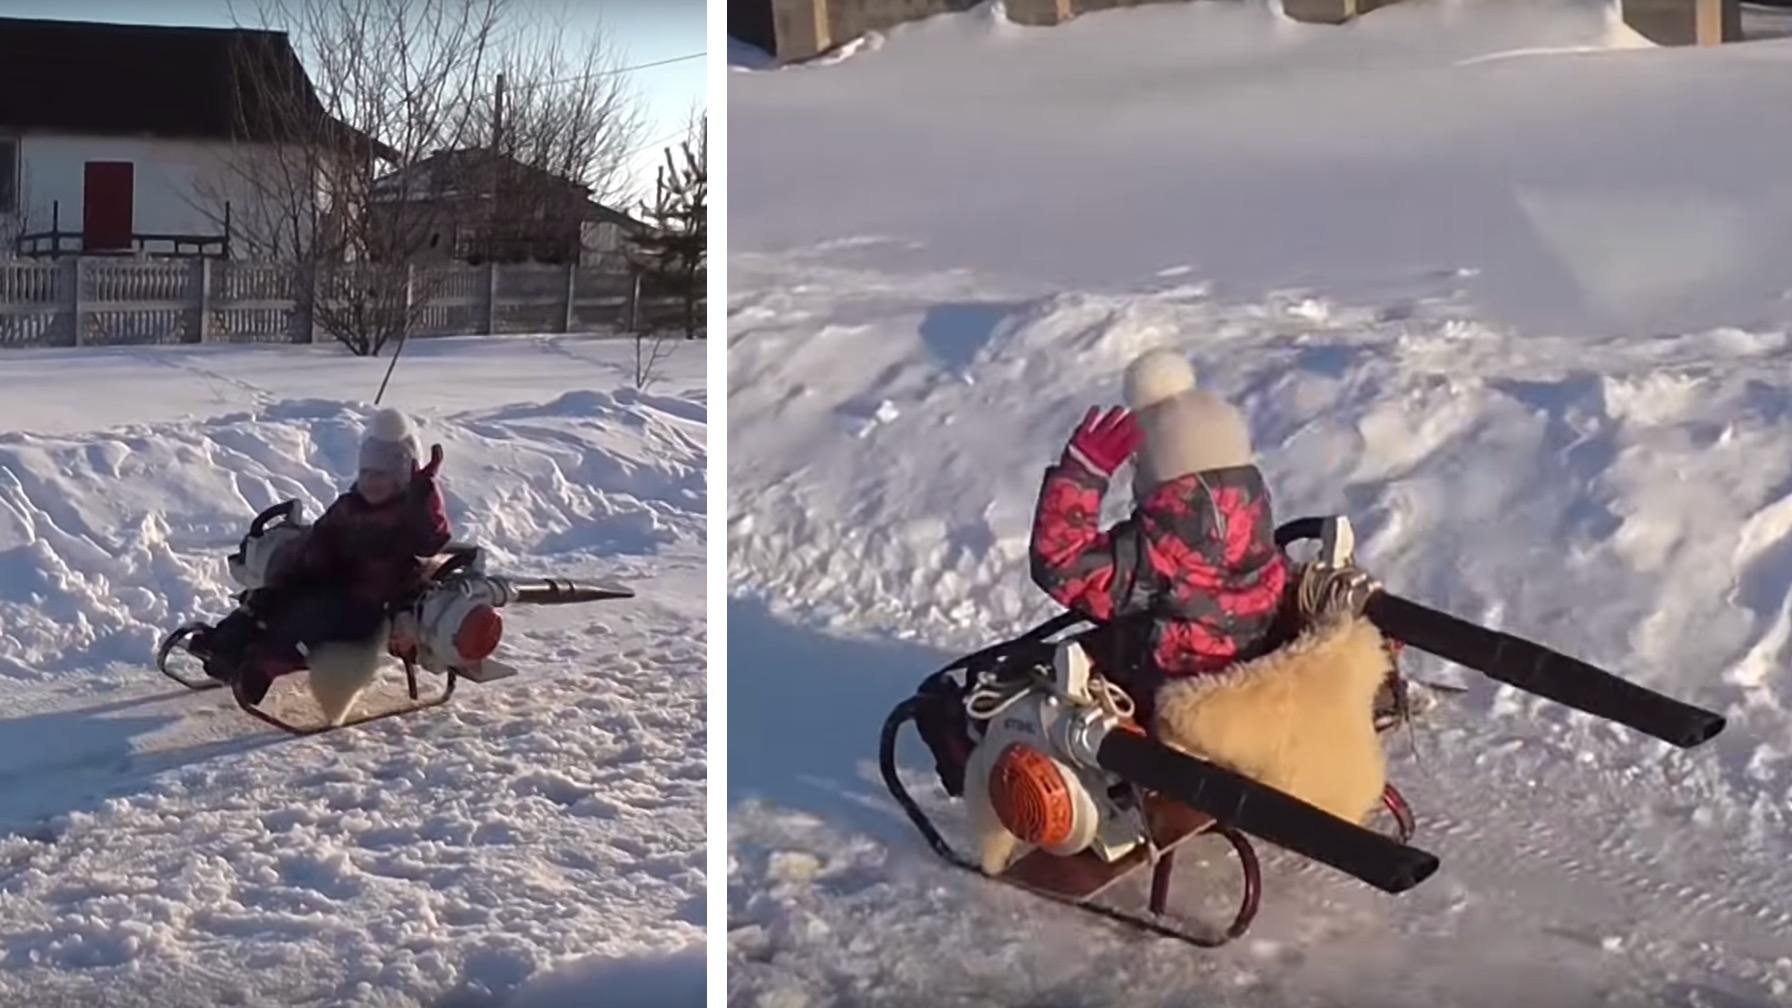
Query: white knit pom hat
(390, 445)
(1156, 375)
(1186, 430)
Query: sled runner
(1047, 754)
(449, 626)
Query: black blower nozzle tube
(559, 591)
(1536, 669)
(1260, 810)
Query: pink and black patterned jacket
(1197, 559)
(373, 550)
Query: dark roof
(467, 173)
(152, 80)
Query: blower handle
(458, 560)
(284, 509)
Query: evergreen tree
(672, 254)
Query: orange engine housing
(1031, 797)
(479, 633)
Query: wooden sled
(1084, 880)
(488, 670)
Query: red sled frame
(179, 637)
(1081, 879)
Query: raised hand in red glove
(427, 526)
(422, 488)
(1103, 441)
(428, 471)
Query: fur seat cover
(1300, 719)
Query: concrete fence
(793, 30)
(100, 302)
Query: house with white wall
(474, 206)
(152, 140)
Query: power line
(612, 72)
(643, 66)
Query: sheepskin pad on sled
(1300, 719)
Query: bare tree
(566, 123)
(651, 348)
(672, 252)
(337, 174)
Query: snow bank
(109, 537)
(1645, 474)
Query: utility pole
(498, 115)
(491, 225)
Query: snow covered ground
(1506, 287)
(539, 842)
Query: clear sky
(642, 31)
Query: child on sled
(1195, 599)
(326, 607)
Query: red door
(106, 206)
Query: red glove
(423, 481)
(1101, 443)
